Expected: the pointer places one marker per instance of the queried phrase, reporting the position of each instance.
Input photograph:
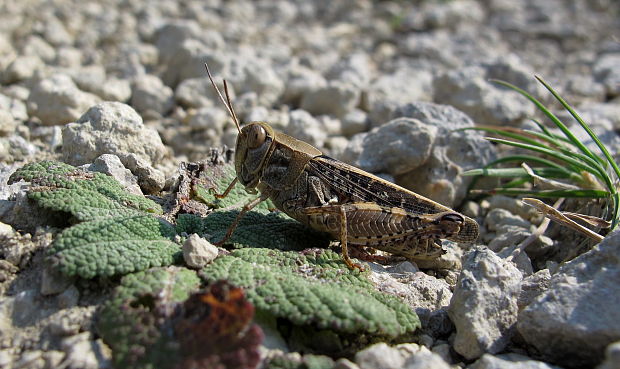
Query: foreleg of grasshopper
(228, 189)
(247, 207)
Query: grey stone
(353, 69)
(251, 74)
(612, 357)
(114, 89)
(336, 146)
(425, 359)
(442, 349)
(110, 128)
(301, 81)
(83, 352)
(89, 77)
(380, 355)
(25, 307)
(14, 105)
(208, 117)
(468, 90)
(53, 358)
(18, 92)
(512, 69)
(303, 126)
(337, 99)
(278, 119)
(16, 148)
(197, 93)
(36, 46)
(389, 91)
(68, 57)
(573, 321)
(198, 252)
(532, 286)
(48, 135)
(606, 71)
(508, 229)
(150, 93)
(111, 165)
(353, 122)
(169, 37)
(425, 294)
(6, 358)
(68, 298)
(514, 206)
(188, 61)
(53, 281)
(31, 359)
(397, 147)
(450, 15)
(484, 305)
(580, 87)
(408, 355)
(331, 125)
(343, 363)
(21, 69)
(55, 32)
(57, 100)
(150, 180)
(509, 361)
(453, 152)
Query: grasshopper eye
(256, 136)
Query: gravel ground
(120, 87)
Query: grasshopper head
(253, 147)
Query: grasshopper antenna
(227, 102)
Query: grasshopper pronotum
(353, 206)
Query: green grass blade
(581, 193)
(526, 158)
(566, 158)
(504, 133)
(546, 130)
(517, 182)
(545, 172)
(593, 135)
(549, 115)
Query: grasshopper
(353, 206)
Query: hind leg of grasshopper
(341, 214)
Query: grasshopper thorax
(273, 159)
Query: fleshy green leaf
(256, 229)
(118, 234)
(223, 176)
(114, 246)
(296, 361)
(85, 195)
(314, 289)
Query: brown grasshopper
(328, 195)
